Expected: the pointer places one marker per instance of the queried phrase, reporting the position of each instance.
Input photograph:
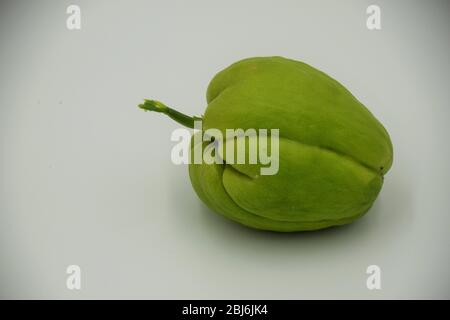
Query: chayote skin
(333, 151)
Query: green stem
(154, 105)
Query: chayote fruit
(333, 153)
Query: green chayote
(333, 153)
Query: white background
(86, 177)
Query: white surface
(86, 177)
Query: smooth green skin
(333, 151)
